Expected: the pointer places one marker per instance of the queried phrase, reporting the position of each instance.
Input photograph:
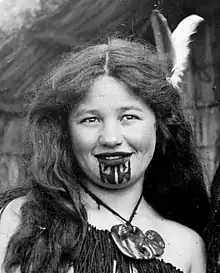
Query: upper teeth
(112, 157)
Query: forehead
(109, 92)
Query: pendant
(132, 242)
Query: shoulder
(197, 249)
(9, 222)
(10, 215)
(187, 247)
(183, 233)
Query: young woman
(114, 171)
(115, 183)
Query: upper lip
(104, 155)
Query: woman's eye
(89, 120)
(130, 117)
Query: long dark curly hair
(53, 219)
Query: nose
(111, 134)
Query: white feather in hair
(174, 48)
(181, 38)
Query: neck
(123, 201)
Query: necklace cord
(100, 202)
(129, 239)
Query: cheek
(145, 140)
(82, 142)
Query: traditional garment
(99, 254)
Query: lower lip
(114, 162)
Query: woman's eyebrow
(127, 108)
(82, 112)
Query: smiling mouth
(114, 168)
(113, 159)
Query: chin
(115, 186)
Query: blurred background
(35, 33)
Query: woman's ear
(174, 48)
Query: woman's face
(113, 134)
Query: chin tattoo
(118, 174)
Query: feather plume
(181, 40)
(163, 40)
